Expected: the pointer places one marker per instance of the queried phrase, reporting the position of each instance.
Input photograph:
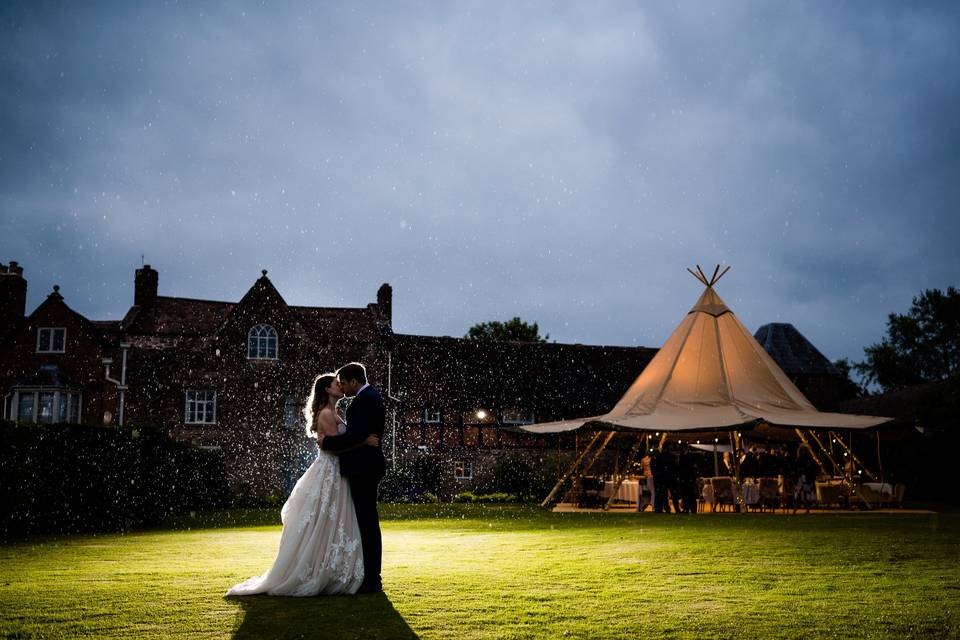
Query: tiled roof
(322, 323)
(562, 380)
(178, 316)
(793, 352)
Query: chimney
(145, 286)
(385, 303)
(13, 294)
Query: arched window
(262, 343)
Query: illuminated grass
(511, 572)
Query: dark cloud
(560, 163)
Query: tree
(921, 346)
(848, 387)
(515, 329)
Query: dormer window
(262, 343)
(51, 339)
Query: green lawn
(454, 571)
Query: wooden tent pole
(630, 458)
(826, 451)
(737, 489)
(569, 471)
(596, 456)
(813, 453)
(855, 458)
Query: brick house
(235, 375)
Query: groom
(362, 466)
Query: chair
(898, 493)
(769, 494)
(704, 495)
(590, 495)
(787, 490)
(830, 493)
(723, 492)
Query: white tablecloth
(880, 487)
(629, 490)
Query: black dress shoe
(369, 588)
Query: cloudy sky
(564, 162)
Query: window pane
(45, 408)
(73, 415)
(62, 409)
(58, 338)
(44, 342)
(25, 410)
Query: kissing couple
(330, 543)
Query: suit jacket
(366, 415)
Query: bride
(320, 550)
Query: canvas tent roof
(711, 374)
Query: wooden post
(826, 451)
(621, 477)
(813, 453)
(569, 471)
(854, 457)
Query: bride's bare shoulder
(327, 421)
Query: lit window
(431, 416)
(291, 411)
(518, 416)
(51, 339)
(25, 407)
(201, 407)
(45, 407)
(462, 469)
(262, 343)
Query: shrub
(412, 481)
(66, 478)
(486, 498)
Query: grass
(468, 571)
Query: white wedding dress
(320, 550)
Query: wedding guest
(727, 468)
(687, 479)
(805, 491)
(648, 479)
(660, 467)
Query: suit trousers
(364, 491)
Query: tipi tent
(711, 374)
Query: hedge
(68, 478)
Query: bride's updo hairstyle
(315, 401)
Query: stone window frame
(432, 416)
(52, 331)
(463, 469)
(208, 402)
(260, 339)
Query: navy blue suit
(363, 467)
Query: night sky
(562, 162)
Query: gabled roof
(101, 331)
(792, 351)
(712, 374)
(177, 316)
